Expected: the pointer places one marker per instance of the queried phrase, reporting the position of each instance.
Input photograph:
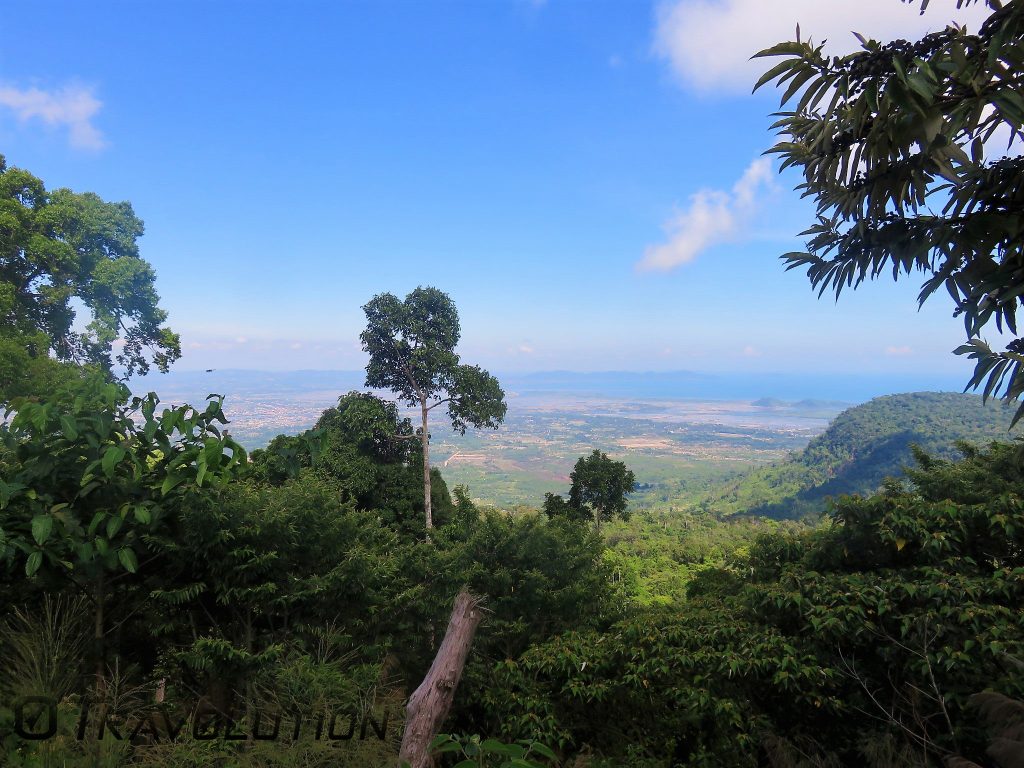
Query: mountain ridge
(860, 448)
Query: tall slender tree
(411, 344)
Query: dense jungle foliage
(144, 552)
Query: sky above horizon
(586, 180)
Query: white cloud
(898, 351)
(72, 107)
(526, 349)
(713, 217)
(749, 351)
(708, 43)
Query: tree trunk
(429, 704)
(425, 440)
(98, 634)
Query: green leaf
(797, 82)
(114, 525)
(128, 559)
(111, 459)
(775, 71)
(170, 482)
(32, 564)
(496, 747)
(7, 491)
(439, 739)
(450, 746)
(920, 85)
(68, 426)
(542, 750)
(41, 527)
(84, 550)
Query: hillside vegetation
(861, 448)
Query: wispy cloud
(72, 107)
(708, 43)
(898, 351)
(713, 216)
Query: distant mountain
(860, 448)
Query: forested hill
(861, 447)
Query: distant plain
(677, 445)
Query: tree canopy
(598, 492)
(62, 247)
(412, 353)
(360, 447)
(907, 149)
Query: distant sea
(740, 386)
(618, 384)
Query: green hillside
(861, 447)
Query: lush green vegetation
(152, 569)
(861, 448)
(299, 579)
(289, 582)
(855, 644)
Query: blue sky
(582, 178)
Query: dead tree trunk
(429, 704)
